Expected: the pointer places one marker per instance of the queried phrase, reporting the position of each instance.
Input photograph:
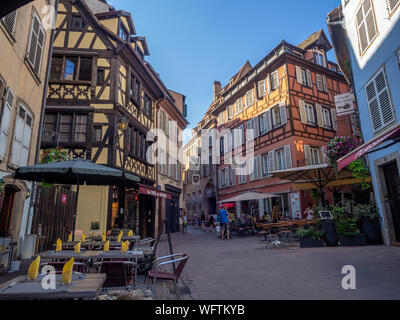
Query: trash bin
(29, 246)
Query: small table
(86, 288)
(114, 238)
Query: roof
(113, 14)
(318, 37)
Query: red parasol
(227, 205)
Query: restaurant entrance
(392, 180)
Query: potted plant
(310, 237)
(369, 216)
(94, 226)
(328, 227)
(348, 232)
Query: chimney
(217, 89)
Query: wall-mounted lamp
(123, 124)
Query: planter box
(309, 242)
(372, 231)
(356, 240)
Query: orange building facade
(280, 116)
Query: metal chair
(119, 274)
(163, 275)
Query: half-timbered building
(100, 106)
(288, 102)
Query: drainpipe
(39, 139)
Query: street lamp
(122, 125)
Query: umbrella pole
(76, 211)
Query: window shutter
(324, 83)
(323, 155)
(271, 161)
(307, 154)
(303, 113)
(268, 120)
(268, 84)
(5, 122)
(319, 115)
(309, 79)
(35, 50)
(288, 157)
(334, 120)
(283, 113)
(9, 21)
(252, 169)
(16, 148)
(259, 167)
(250, 130)
(298, 75)
(319, 82)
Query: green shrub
(311, 231)
(369, 211)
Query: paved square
(243, 268)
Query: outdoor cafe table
(68, 254)
(114, 238)
(87, 288)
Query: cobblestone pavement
(243, 268)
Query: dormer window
(123, 33)
(319, 58)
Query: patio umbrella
(248, 196)
(76, 171)
(227, 205)
(319, 176)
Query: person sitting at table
(308, 213)
(281, 217)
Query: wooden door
(6, 211)
(393, 186)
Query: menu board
(295, 205)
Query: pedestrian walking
(203, 222)
(211, 222)
(184, 223)
(223, 217)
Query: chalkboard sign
(325, 215)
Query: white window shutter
(283, 113)
(303, 113)
(319, 82)
(319, 115)
(268, 84)
(325, 83)
(16, 147)
(271, 160)
(268, 120)
(288, 157)
(309, 79)
(298, 75)
(307, 154)
(259, 167)
(5, 122)
(334, 120)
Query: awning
(335, 183)
(154, 192)
(391, 134)
(248, 196)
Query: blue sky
(193, 42)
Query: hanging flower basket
(338, 147)
(54, 155)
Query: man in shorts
(223, 217)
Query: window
(148, 107)
(393, 5)
(274, 80)
(255, 168)
(304, 76)
(242, 174)
(313, 155)
(98, 133)
(77, 23)
(379, 103)
(66, 68)
(238, 136)
(319, 58)
(249, 98)
(123, 34)
(22, 137)
(36, 43)
(262, 92)
(279, 116)
(252, 129)
(239, 106)
(221, 145)
(321, 83)
(66, 128)
(9, 21)
(221, 118)
(265, 122)
(137, 93)
(100, 76)
(230, 112)
(5, 122)
(267, 164)
(280, 159)
(307, 113)
(326, 118)
(366, 26)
